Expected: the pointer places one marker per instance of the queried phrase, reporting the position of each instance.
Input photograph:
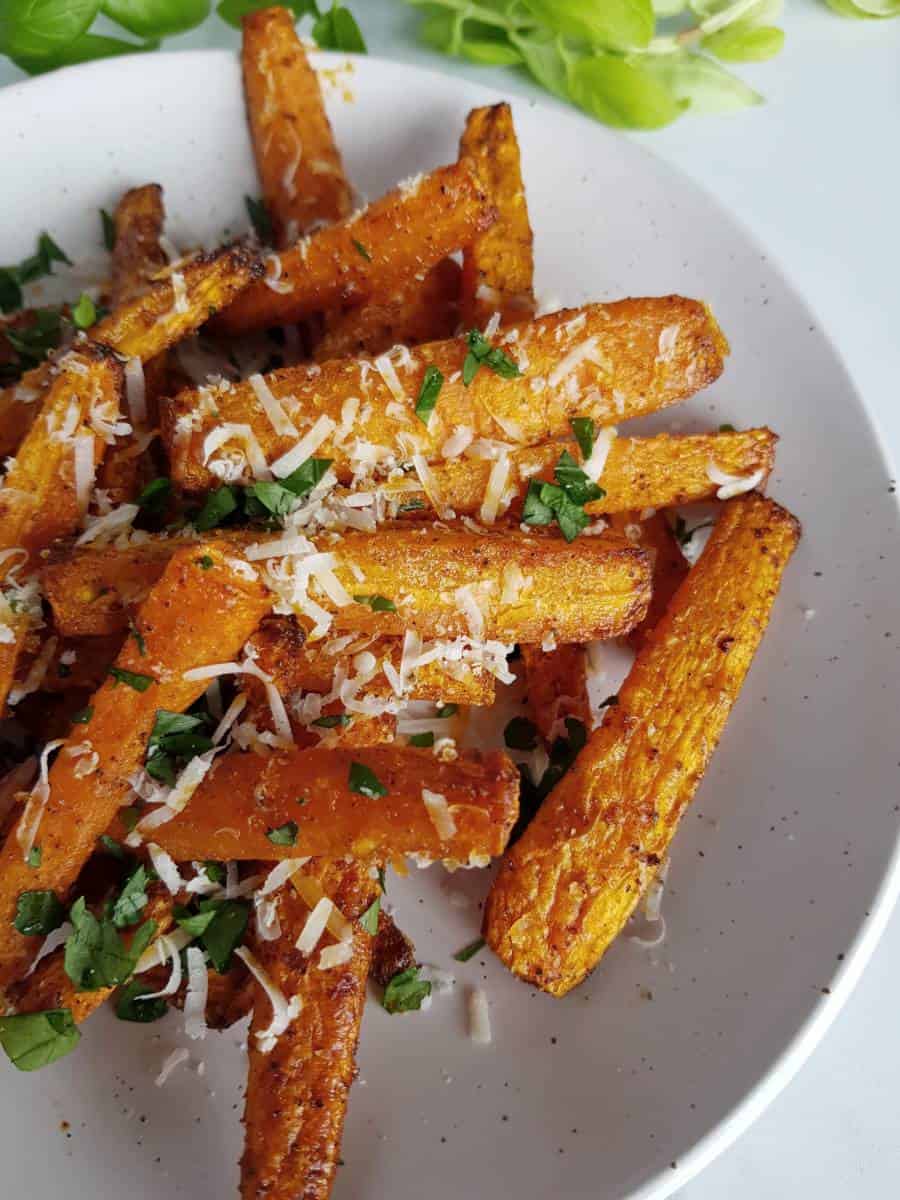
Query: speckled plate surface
(784, 872)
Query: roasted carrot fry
(297, 1090)
(48, 986)
(245, 796)
(137, 255)
(605, 361)
(498, 266)
(556, 688)
(401, 235)
(298, 163)
(416, 313)
(142, 328)
(514, 586)
(192, 616)
(47, 487)
(651, 472)
(296, 666)
(568, 886)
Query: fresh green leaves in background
(632, 64)
(41, 35)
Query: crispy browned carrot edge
(639, 473)
(498, 266)
(136, 254)
(142, 328)
(401, 235)
(569, 884)
(297, 1092)
(604, 361)
(556, 688)
(246, 796)
(196, 614)
(297, 160)
(509, 585)
(425, 311)
(48, 986)
(392, 951)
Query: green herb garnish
(132, 900)
(432, 382)
(155, 496)
(95, 955)
(369, 920)
(333, 721)
(583, 428)
(365, 782)
(34, 1040)
(131, 1006)
(140, 683)
(482, 354)
(83, 715)
(284, 835)
(84, 313)
(259, 218)
(422, 739)
(447, 710)
(108, 229)
(406, 991)
(469, 951)
(361, 250)
(377, 603)
(38, 913)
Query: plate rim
(815, 1025)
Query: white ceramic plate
(783, 873)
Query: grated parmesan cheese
(493, 493)
(479, 1017)
(593, 467)
(196, 995)
(733, 485)
(304, 449)
(173, 1060)
(441, 816)
(278, 418)
(283, 1011)
(315, 926)
(135, 391)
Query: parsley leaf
(220, 926)
(155, 496)
(422, 739)
(259, 218)
(361, 250)
(332, 721)
(432, 382)
(302, 481)
(482, 354)
(411, 506)
(35, 854)
(365, 782)
(34, 1040)
(266, 496)
(727, 428)
(175, 739)
(584, 430)
(369, 919)
(377, 603)
(574, 482)
(130, 1005)
(83, 715)
(406, 991)
(218, 505)
(95, 955)
(108, 228)
(447, 710)
(520, 734)
(134, 632)
(204, 562)
(38, 913)
(84, 314)
(563, 753)
(545, 502)
(284, 835)
(140, 683)
(469, 951)
(112, 847)
(132, 900)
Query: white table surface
(816, 175)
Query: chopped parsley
(140, 683)
(175, 739)
(82, 715)
(132, 899)
(131, 1004)
(727, 428)
(584, 430)
(563, 753)
(365, 782)
(129, 816)
(34, 1040)
(562, 501)
(520, 734)
(361, 250)
(482, 354)
(38, 913)
(95, 955)
(332, 721)
(219, 925)
(204, 562)
(108, 229)
(302, 481)
(284, 835)
(432, 382)
(406, 991)
(134, 632)
(155, 496)
(447, 710)
(469, 951)
(84, 313)
(34, 857)
(422, 739)
(377, 603)
(218, 505)
(259, 218)
(112, 847)
(369, 920)
(411, 506)
(267, 499)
